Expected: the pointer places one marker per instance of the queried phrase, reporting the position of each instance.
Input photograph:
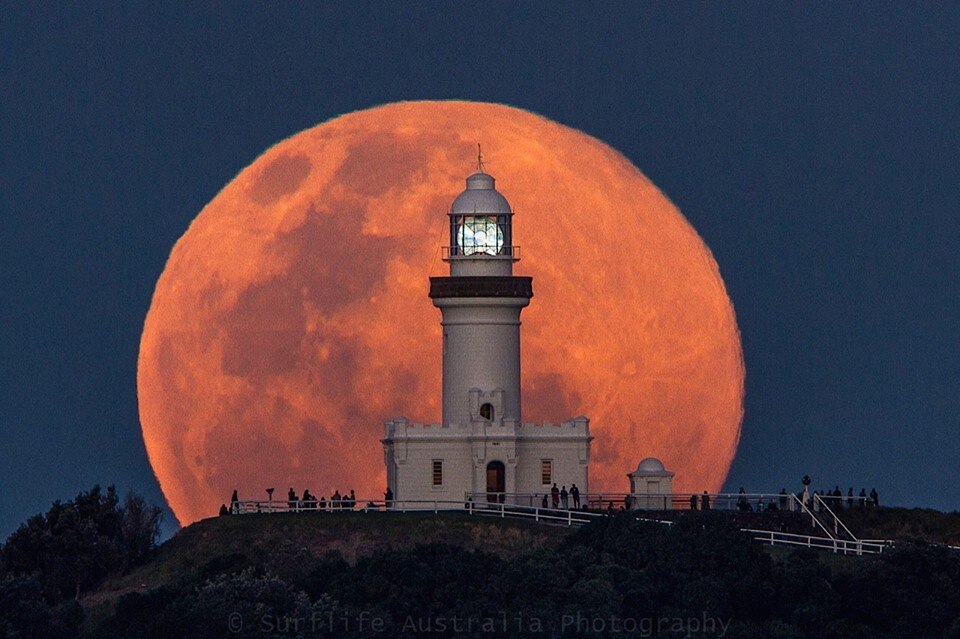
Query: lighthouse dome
(480, 197)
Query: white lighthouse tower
(482, 448)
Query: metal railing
(821, 506)
(447, 252)
(847, 547)
(757, 502)
(499, 505)
(435, 506)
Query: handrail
(817, 499)
(813, 517)
(652, 501)
(858, 547)
(419, 505)
(555, 515)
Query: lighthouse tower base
(496, 461)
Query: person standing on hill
(575, 493)
(555, 496)
(564, 495)
(292, 499)
(874, 497)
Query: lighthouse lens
(480, 235)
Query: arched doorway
(496, 481)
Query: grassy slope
(903, 523)
(291, 545)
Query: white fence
(500, 506)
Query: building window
(438, 472)
(486, 411)
(546, 471)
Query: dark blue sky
(815, 149)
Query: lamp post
(270, 500)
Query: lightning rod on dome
(479, 159)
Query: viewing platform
(785, 520)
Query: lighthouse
(482, 449)
(481, 302)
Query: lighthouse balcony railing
(456, 253)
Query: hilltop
(700, 576)
(292, 545)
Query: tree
(76, 544)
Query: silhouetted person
(352, 502)
(705, 501)
(335, 500)
(874, 497)
(323, 502)
(388, 497)
(693, 502)
(544, 503)
(555, 496)
(863, 497)
(850, 497)
(741, 499)
(291, 499)
(224, 510)
(575, 494)
(233, 501)
(563, 497)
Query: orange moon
(292, 317)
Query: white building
(651, 485)
(482, 447)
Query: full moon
(292, 318)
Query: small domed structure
(651, 485)
(651, 465)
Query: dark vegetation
(921, 524)
(54, 558)
(389, 575)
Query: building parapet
(578, 427)
(400, 428)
